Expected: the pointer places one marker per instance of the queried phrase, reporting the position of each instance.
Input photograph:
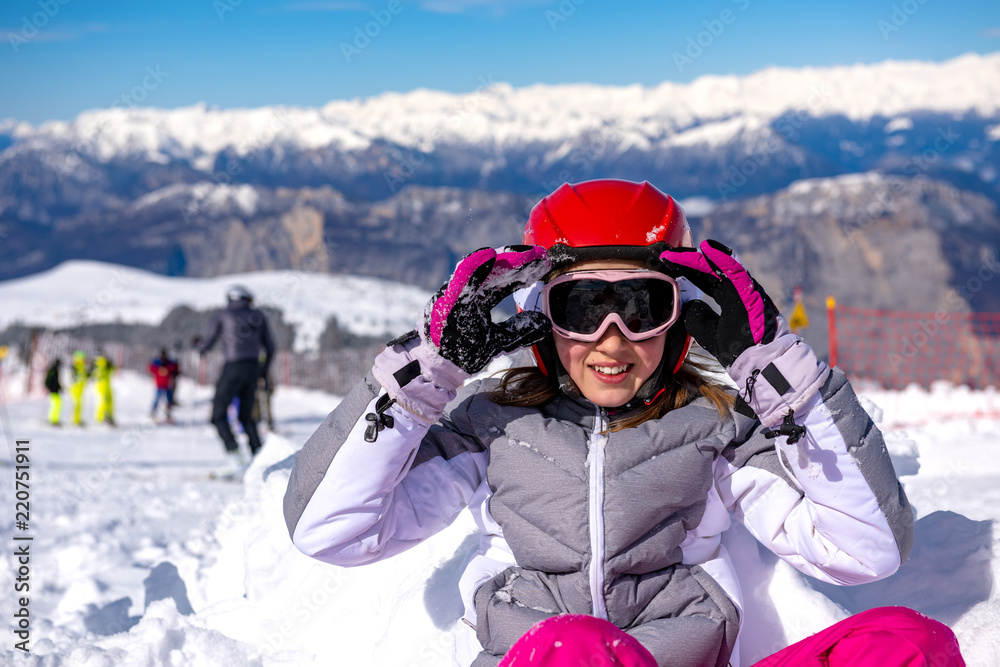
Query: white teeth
(611, 370)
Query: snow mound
(288, 607)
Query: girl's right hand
(457, 322)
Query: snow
(88, 292)
(207, 197)
(708, 110)
(898, 125)
(140, 557)
(697, 207)
(719, 133)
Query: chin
(609, 398)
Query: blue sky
(60, 57)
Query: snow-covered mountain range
(399, 186)
(711, 111)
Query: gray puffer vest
(624, 525)
(596, 520)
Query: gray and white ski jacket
(626, 526)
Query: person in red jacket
(165, 372)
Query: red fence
(897, 348)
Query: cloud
(325, 6)
(459, 6)
(68, 34)
(436, 6)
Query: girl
(604, 476)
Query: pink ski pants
(882, 637)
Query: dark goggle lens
(581, 306)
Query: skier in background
(248, 350)
(105, 410)
(606, 474)
(54, 387)
(81, 372)
(164, 371)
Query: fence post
(831, 327)
(32, 349)
(286, 367)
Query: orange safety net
(898, 348)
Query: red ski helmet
(606, 212)
(611, 219)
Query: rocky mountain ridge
(878, 184)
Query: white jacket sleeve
(830, 503)
(350, 501)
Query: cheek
(570, 352)
(651, 353)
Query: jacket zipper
(598, 439)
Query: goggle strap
(563, 255)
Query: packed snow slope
(140, 557)
(86, 292)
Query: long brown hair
(528, 387)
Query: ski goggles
(583, 304)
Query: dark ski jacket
(244, 333)
(52, 379)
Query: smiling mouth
(612, 371)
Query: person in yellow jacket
(105, 411)
(80, 374)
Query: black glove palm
(457, 321)
(748, 315)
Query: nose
(613, 339)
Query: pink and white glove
(777, 371)
(748, 318)
(457, 334)
(457, 323)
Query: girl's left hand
(748, 318)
